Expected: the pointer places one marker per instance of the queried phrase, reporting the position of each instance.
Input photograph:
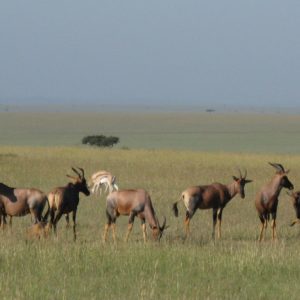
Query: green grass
(237, 267)
(259, 133)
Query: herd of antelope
(137, 203)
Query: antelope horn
(75, 171)
(278, 167)
(164, 224)
(82, 171)
(240, 172)
(297, 221)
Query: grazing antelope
(215, 196)
(296, 203)
(103, 178)
(63, 200)
(266, 201)
(132, 203)
(16, 202)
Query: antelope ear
(235, 178)
(248, 180)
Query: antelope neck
(275, 185)
(232, 189)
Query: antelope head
(282, 175)
(158, 230)
(296, 203)
(79, 181)
(240, 183)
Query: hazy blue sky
(158, 51)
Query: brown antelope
(296, 203)
(215, 196)
(16, 202)
(266, 201)
(103, 178)
(132, 203)
(63, 200)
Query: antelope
(266, 201)
(16, 202)
(215, 196)
(296, 203)
(63, 200)
(101, 178)
(132, 203)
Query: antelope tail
(175, 208)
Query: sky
(159, 52)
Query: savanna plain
(163, 153)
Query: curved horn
(240, 172)
(278, 167)
(163, 225)
(297, 221)
(75, 171)
(82, 171)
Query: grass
(236, 267)
(255, 133)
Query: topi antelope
(16, 202)
(63, 200)
(266, 201)
(103, 178)
(132, 203)
(215, 196)
(296, 203)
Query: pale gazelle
(103, 179)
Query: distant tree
(100, 140)
(210, 110)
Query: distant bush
(210, 110)
(100, 140)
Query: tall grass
(198, 268)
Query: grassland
(274, 133)
(236, 267)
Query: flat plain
(167, 152)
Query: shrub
(100, 140)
